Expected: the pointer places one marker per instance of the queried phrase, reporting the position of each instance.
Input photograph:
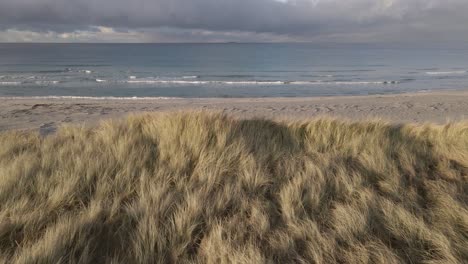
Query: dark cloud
(298, 19)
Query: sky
(337, 21)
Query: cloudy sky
(341, 21)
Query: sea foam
(446, 72)
(10, 83)
(46, 82)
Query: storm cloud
(244, 20)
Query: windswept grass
(205, 188)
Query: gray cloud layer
(398, 20)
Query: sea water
(225, 70)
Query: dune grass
(206, 188)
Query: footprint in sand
(47, 128)
(408, 105)
(438, 107)
(40, 105)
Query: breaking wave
(152, 81)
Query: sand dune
(206, 188)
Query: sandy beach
(47, 114)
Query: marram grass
(206, 188)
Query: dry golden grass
(205, 188)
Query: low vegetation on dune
(207, 188)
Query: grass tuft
(207, 188)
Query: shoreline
(157, 98)
(46, 114)
(84, 97)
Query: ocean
(225, 70)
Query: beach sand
(47, 114)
